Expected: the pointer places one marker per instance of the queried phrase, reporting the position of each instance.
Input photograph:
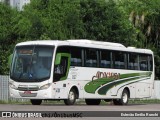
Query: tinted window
(133, 61)
(61, 69)
(105, 59)
(150, 61)
(118, 60)
(143, 61)
(63, 49)
(76, 56)
(91, 58)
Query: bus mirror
(58, 59)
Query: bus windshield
(31, 63)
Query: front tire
(36, 102)
(124, 98)
(71, 97)
(93, 101)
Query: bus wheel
(116, 102)
(71, 97)
(93, 101)
(123, 100)
(36, 102)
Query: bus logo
(106, 75)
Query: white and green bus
(80, 69)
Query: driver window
(61, 69)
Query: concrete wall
(156, 91)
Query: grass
(81, 102)
(14, 102)
(3, 102)
(143, 101)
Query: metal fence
(4, 91)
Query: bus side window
(76, 56)
(105, 59)
(61, 69)
(91, 58)
(143, 60)
(118, 60)
(150, 63)
(133, 61)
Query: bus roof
(41, 42)
(86, 43)
(96, 43)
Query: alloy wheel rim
(71, 96)
(125, 97)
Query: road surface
(109, 109)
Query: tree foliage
(7, 37)
(76, 19)
(130, 22)
(144, 16)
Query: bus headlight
(11, 84)
(46, 86)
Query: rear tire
(71, 97)
(116, 102)
(93, 101)
(36, 102)
(124, 98)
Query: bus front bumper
(40, 94)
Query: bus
(80, 69)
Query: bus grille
(28, 88)
(28, 95)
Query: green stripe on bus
(92, 86)
(104, 89)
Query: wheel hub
(125, 98)
(71, 96)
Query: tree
(130, 22)
(104, 21)
(6, 36)
(144, 16)
(77, 19)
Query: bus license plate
(27, 92)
